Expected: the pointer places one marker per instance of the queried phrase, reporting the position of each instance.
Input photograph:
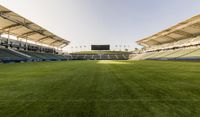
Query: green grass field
(100, 89)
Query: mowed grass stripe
(100, 88)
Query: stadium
(39, 79)
(180, 42)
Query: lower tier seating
(7, 55)
(100, 57)
(192, 53)
(10, 55)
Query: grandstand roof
(16, 25)
(186, 29)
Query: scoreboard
(100, 47)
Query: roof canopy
(13, 24)
(187, 29)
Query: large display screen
(100, 47)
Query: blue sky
(112, 22)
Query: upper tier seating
(176, 44)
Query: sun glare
(112, 62)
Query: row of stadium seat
(9, 55)
(192, 53)
(100, 57)
(176, 44)
(44, 56)
(16, 44)
(100, 52)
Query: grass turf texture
(100, 88)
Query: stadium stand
(21, 48)
(34, 43)
(100, 55)
(180, 42)
(8, 56)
